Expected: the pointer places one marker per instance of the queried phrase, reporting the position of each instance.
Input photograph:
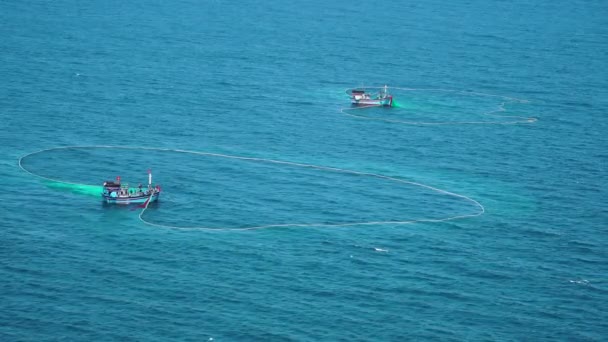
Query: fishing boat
(360, 97)
(114, 192)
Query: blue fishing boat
(115, 192)
(360, 97)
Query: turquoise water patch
(82, 189)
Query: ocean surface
(474, 210)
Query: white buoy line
(479, 206)
(507, 119)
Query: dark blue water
(266, 80)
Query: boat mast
(149, 179)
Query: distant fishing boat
(116, 193)
(360, 97)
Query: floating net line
(480, 208)
(506, 100)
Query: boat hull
(373, 102)
(130, 200)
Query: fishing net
(223, 192)
(415, 106)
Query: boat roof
(357, 91)
(111, 184)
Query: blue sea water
(266, 80)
